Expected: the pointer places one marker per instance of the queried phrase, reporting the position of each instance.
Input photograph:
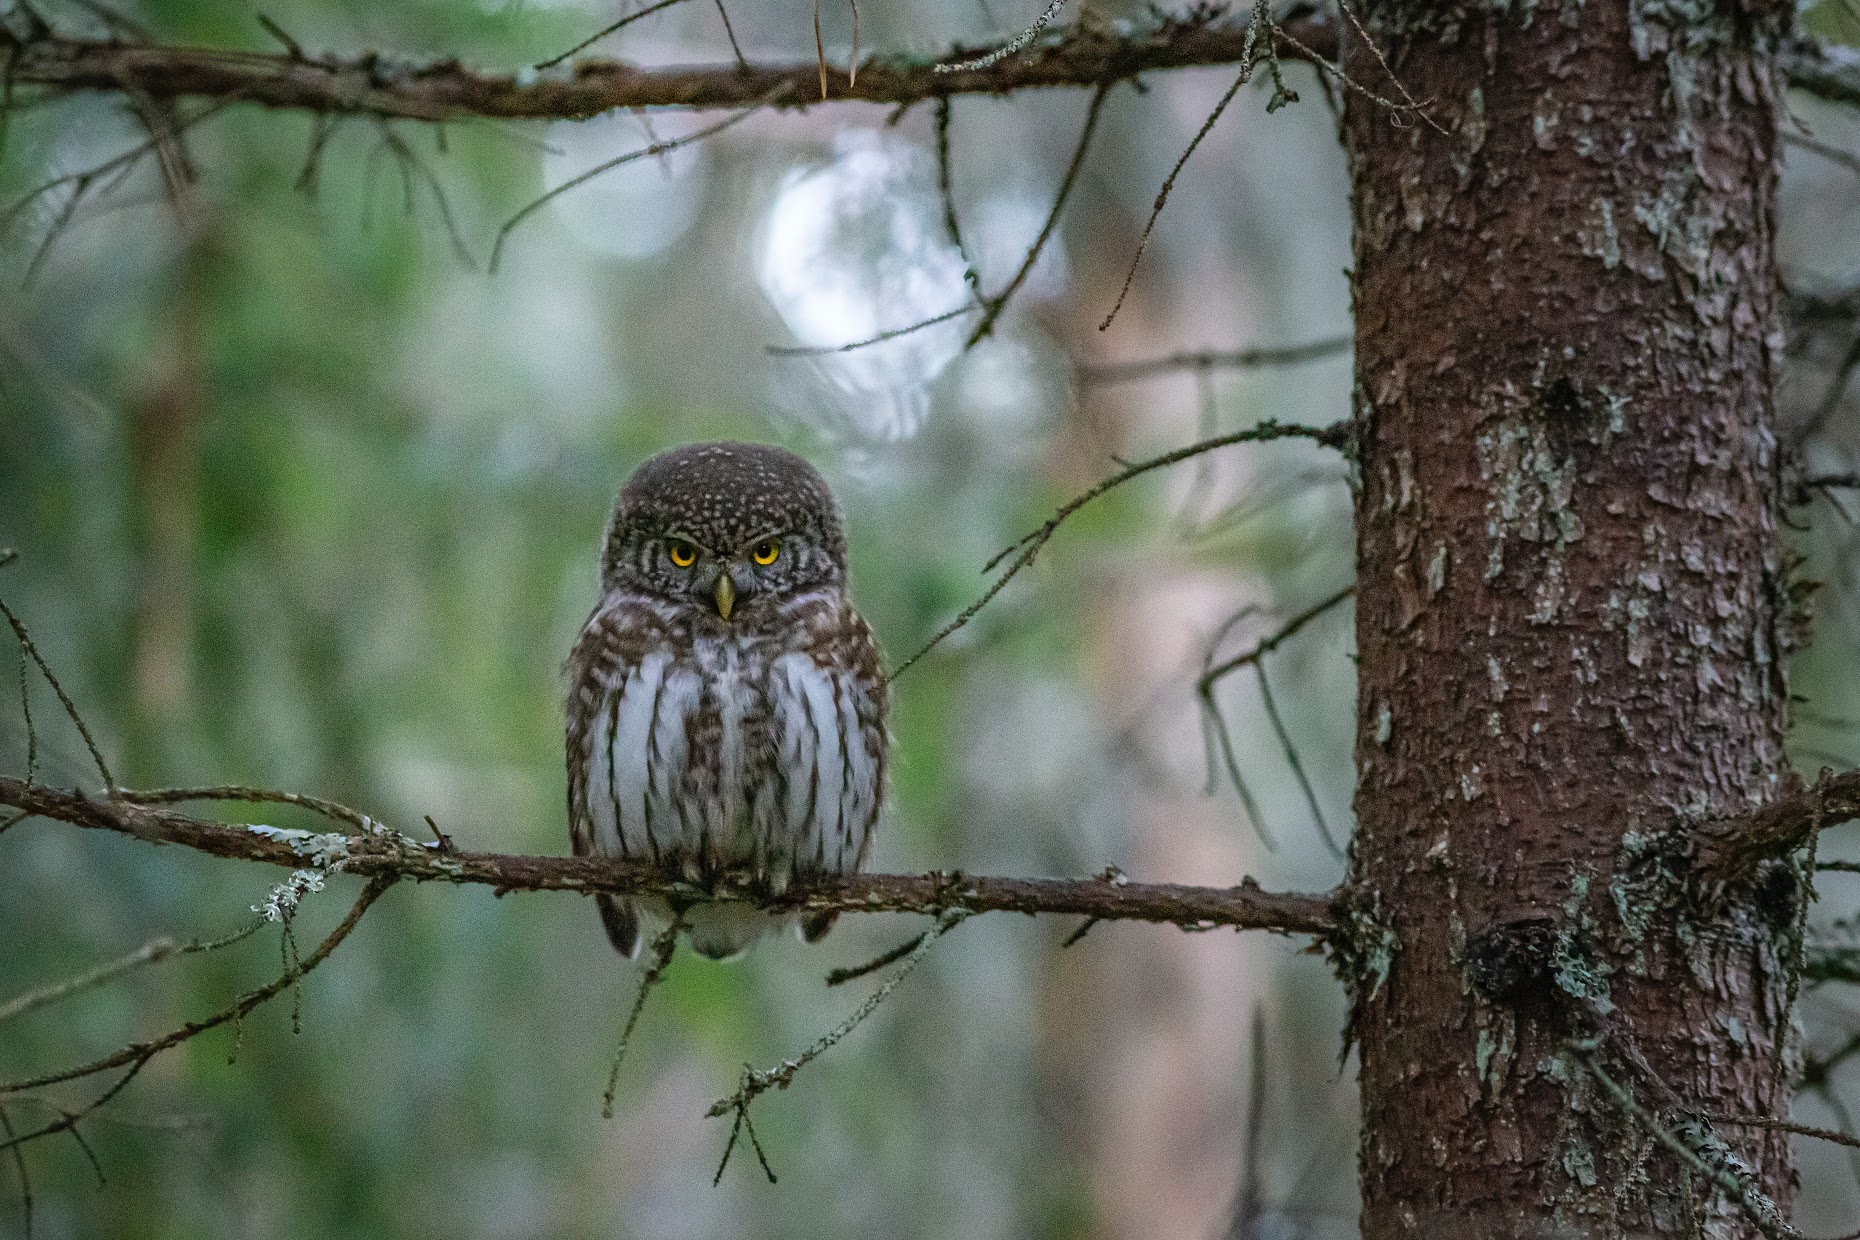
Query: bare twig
(729, 32)
(657, 148)
(663, 945)
(25, 713)
(839, 977)
(282, 36)
(993, 306)
(1291, 757)
(1250, 1203)
(21, 1171)
(820, 60)
(757, 1081)
(1833, 154)
(790, 350)
(1240, 359)
(602, 33)
(1773, 1124)
(989, 60)
(152, 952)
(1756, 1205)
(411, 164)
(64, 699)
(1029, 546)
(386, 854)
(945, 110)
(1214, 723)
(1267, 645)
(1162, 195)
(135, 1057)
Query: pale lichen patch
(1529, 495)
(1598, 236)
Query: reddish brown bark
(1569, 615)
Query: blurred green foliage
(304, 499)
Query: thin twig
(945, 110)
(756, 1081)
(839, 977)
(989, 59)
(137, 1055)
(332, 810)
(1834, 154)
(1267, 645)
(1250, 1203)
(64, 699)
(729, 33)
(824, 350)
(25, 711)
(1291, 756)
(1240, 359)
(657, 148)
(20, 1170)
(1773, 1124)
(1162, 196)
(281, 35)
(820, 51)
(151, 952)
(663, 945)
(1755, 1204)
(993, 306)
(602, 33)
(410, 161)
(1030, 545)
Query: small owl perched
(726, 712)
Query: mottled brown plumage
(726, 709)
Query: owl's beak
(726, 595)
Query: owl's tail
(622, 923)
(725, 931)
(813, 927)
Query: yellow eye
(683, 553)
(766, 551)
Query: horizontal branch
(443, 90)
(378, 852)
(438, 90)
(1734, 846)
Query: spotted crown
(724, 497)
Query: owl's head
(728, 527)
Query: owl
(726, 709)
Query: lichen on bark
(1566, 343)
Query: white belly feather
(796, 789)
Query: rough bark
(1571, 616)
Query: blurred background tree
(306, 497)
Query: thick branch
(1827, 70)
(1081, 56)
(443, 90)
(1733, 846)
(387, 854)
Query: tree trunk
(1571, 620)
